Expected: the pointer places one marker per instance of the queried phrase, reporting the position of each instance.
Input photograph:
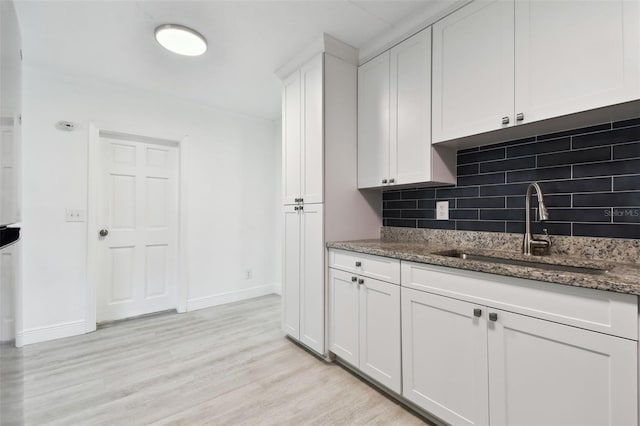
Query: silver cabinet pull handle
(384, 181)
(392, 180)
(505, 120)
(519, 116)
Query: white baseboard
(50, 332)
(231, 296)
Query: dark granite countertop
(619, 278)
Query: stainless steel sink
(529, 264)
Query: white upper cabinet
(573, 56)
(291, 139)
(303, 134)
(473, 74)
(312, 130)
(394, 119)
(502, 63)
(410, 131)
(373, 122)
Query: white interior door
(8, 170)
(139, 210)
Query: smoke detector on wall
(67, 126)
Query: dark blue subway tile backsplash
(590, 178)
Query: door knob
(103, 233)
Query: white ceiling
(248, 41)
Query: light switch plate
(442, 210)
(74, 215)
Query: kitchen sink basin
(519, 262)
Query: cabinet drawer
(602, 311)
(377, 267)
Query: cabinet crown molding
(324, 44)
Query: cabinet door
(291, 272)
(545, 373)
(444, 357)
(373, 122)
(344, 316)
(312, 130)
(573, 56)
(312, 271)
(380, 332)
(410, 134)
(473, 70)
(291, 139)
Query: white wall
(232, 217)
(277, 144)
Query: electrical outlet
(442, 210)
(74, 215)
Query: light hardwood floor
(228, 365)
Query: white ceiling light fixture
(181, 40)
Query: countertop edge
(611, 281)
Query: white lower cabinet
(470, 364)
(364, 325)
(544, 373)
(303, 275)
(444, 357)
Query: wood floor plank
(227, 365)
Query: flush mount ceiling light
(181, 40)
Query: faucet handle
(546, 233)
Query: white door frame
(93, 253)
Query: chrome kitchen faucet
(530, 244)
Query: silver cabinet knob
(296, 208)
(384, 181)
(103, 233)
(477, 312)
(361, 281)
(505, 120)
(519, 116)
(354, 279)
(493, 316)
(358, 264)
(392, 180)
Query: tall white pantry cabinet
(321, 201)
